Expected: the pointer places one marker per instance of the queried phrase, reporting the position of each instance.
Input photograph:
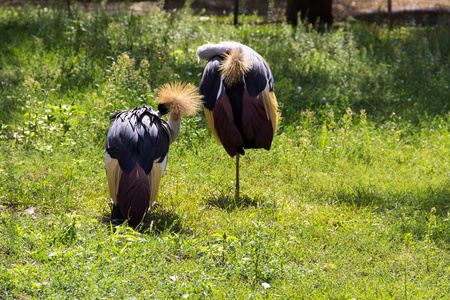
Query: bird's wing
(211, 85)
(113, 174)
(256, 126)
(227, 132)
(259, 84)
(138, 136)
(154, 178)
(259, 77)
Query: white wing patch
(107, 159)
(221, 88)
(163, 165)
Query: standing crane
(238, 98)
(137, 144)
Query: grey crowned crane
(238, 98)
(137, 144)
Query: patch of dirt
(403, 11)
(6, 208)
(372, 9)
(345, 8)
(341, 8)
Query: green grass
(351, 202)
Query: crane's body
(238, 97)
(137, 146)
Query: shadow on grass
(229, 203)
(157, 221)
(161, 220)
(423, 213)
(423, 201)
(362, 197)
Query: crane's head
(162, 108)
(178, 99)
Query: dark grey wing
(210, 83)
(138, 136)
(259, 76)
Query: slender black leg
(236, 194)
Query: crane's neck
(175, 124)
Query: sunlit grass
(352, 201)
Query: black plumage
(211, 82)
(138, 136)
(137, 142)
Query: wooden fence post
(236, 12)
(390, 12)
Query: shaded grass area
(349, 203)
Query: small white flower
(299, 88)
(265, 285)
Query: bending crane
(137, 144)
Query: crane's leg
(236, 193)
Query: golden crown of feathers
(180, 97)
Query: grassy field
(351, 202)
